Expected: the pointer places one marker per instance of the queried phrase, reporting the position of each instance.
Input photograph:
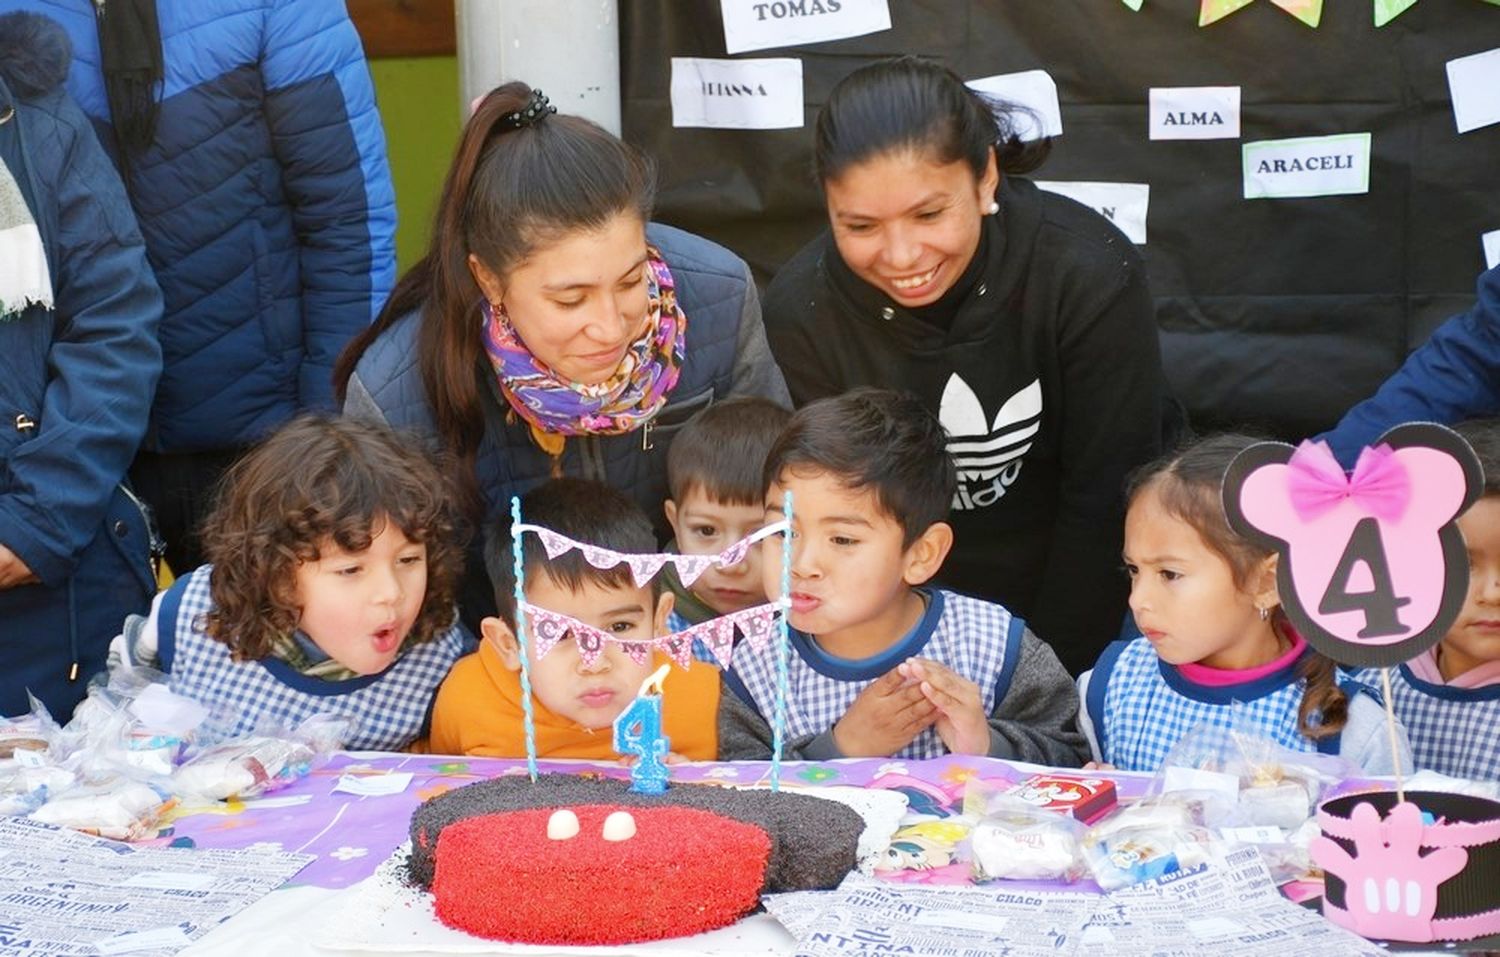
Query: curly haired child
(334, 562)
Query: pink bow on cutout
(1316, 482)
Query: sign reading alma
(1307, 166)
(1195, 113)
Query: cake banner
(1372, 569)
(717, 634)
(644, 567)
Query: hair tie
(536, 108)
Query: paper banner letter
(1309, 12)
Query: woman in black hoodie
(1021, 317)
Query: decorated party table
(353, 814)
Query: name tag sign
(1035, 92)
(737, 94)
(1195, 113)
(1474, 85)
(1371, 569)
(1308, 166)
(1491, 243)
(1123, 204)
(761, 24)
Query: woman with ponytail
(1215, 647)
(551, 329)
(1022, 318)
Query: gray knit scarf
(25, 280)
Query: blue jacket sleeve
(320, 107)
(1454, 376)
(102, 362)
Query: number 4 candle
(638, 732)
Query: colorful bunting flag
(1308, 11)
(1388, 10)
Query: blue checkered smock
(978, 639)
(1140, 706)
(390, 708)
(1454, 731)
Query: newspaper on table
(1229, 906)
(866, 915)
(65, 893)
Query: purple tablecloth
(351, 834)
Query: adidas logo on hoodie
(987, 453)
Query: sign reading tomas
(1308, 166)
(762, 24)
(737, 94)
(1195, 113)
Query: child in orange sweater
(479, 706)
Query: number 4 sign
(1372, 568)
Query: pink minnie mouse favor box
(1372, 570)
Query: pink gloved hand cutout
(1390, 889)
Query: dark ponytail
(1325, 707)
(909, 103)
(509, 190)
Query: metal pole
(570, 49)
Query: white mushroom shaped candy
(619, 826)
(562, 825)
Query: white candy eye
(562, 825)
(619, 826)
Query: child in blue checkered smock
(718, 498)
(1215, 648)
(1449, 697)
(335, 562)
(882, 664)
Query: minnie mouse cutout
(1372, 568)
(1373, 571)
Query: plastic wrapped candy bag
(246, 767)
(116, 806)
(1158, 836)
(1261, 793)
(1015, 840)
(133, 722)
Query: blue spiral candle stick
(528, 723)
(783, 641)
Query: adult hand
(13, 571)
(886, 716)
(961, 721)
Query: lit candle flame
(653, 683)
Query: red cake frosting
(685, 871)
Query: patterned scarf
(555, 408)
(25, 281)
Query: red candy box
(1087, 799)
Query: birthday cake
(813, 841)
(597, 874)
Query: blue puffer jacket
(725, 355)
(1454, 376)
(265, 201)
(75, 388)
